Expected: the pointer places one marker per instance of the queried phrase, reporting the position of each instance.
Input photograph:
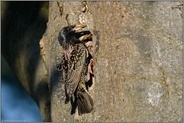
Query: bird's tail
(84, 102)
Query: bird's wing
(78, 60)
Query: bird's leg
(89, 70)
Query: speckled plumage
(75, 62)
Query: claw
(89, 66)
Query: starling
(76, 62)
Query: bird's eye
(71, 29)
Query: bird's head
(68, 33)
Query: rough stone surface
(138, 68)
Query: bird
(75, 64)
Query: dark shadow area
(16, 20)
(23, 25)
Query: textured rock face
(139, 62)
(138, 69)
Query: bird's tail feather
(84, 102)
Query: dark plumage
(76, 59)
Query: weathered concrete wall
(139, 62)
(138, 68)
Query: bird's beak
(79, 27)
